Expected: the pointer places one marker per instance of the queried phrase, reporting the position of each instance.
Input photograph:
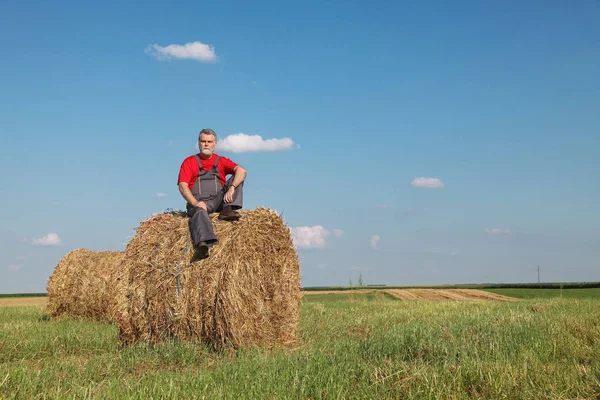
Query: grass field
(351, 346)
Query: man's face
(207, 144)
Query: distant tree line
(552, 285)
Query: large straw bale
(246, 293)
(86, 283)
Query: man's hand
(202, 205)
(228, 198)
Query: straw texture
(86, 283)
(246, 293)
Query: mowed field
(23, 301)
(424, 294)
(351, 345)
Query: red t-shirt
(189, 168)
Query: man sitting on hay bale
(205, 173)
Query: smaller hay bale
(86, 283)
(246, 293)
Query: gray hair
(207, 131)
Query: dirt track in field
(23, 301)
(446, 294)
(426, 294)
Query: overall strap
(216, 164)
(199, 163)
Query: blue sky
(495, 104)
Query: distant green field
(549, 293)
(350, 346)
(551, 285)
(23, 295)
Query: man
(203, 185)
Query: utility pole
(538, 273)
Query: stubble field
(351, 345)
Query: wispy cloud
(498, 231)
(161, 195)
(192, 51)
(337, 232)
(322, 266)
(375, 240)
(381, 206)
(242, 143)
(427, 183)
(14, 267)
(50, 239)
(312, 237)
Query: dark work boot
(201, 251)
(229, 214)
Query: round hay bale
(85, 284)
(247, 292)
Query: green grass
(351, 346)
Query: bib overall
(208, 189)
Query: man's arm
(239, 174)
(184, 189)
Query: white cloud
(381, 206)
(306, 237)
(242, 143)
(322, 266)
(13, 267)
(192, 51)
(161, 195)
(312, 237)
(50, 239)
(498, 231)
(427, 183)
(337, 232)
(374, 240)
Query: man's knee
(194, 212)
